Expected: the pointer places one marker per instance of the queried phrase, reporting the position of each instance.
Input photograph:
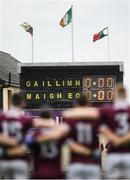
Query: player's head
(17, 100)
(82, 101)
(45, 114)
(120, 92)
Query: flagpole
(72, 39)
(32, 51)
(108, 44)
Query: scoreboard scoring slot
(99, 88)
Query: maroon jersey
(117, 118)
(84, 132)
(14, 127)
(47, 157)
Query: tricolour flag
(67, 18)
(27, 27)
(100, 35)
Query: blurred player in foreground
(85, 157)
(47, 154)
(115, 119)
(13, 126)
(85, 163)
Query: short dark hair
(17, 99)
(45, 114)
(82, 101)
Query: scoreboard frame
(65, 80)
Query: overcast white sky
(53, 43)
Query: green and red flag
(27, 27)
(100, 35)
(67, 18)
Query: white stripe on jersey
(14, 112)
(121, 104)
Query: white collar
(121, 104)
(14, 112)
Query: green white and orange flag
(27, 27)
(67, 18)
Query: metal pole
(32, 50)
(108, 45)
(72, 39)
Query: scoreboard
(59, 84)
